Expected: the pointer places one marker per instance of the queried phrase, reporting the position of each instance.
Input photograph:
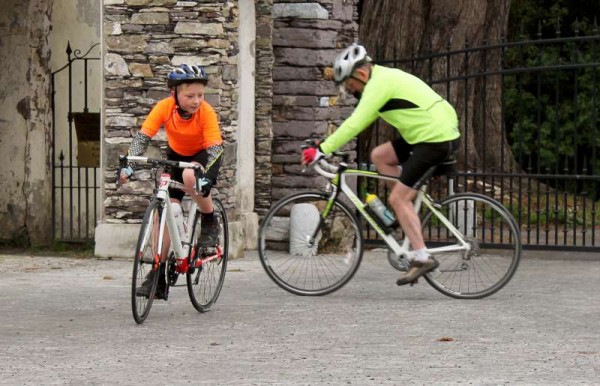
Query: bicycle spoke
(144, 262)
(205, 284)
(490, 264)
(301, 268)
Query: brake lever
(199, 172)
(122, 161)
(311, 143)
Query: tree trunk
(402, 28)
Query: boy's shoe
(417, 269)
(209, 233)
(146, 287)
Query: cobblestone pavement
(68, 321)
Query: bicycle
(311, 243)
(204, 268)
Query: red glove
(311, 155)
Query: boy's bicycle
(204, 268)
(311, 243)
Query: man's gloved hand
(205, 186)
(124, 174)
(311, 155)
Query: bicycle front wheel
(146, 261)
(494, 246)
(309, 247)
(205, 282)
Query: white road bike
(203, 267)
(318, 250)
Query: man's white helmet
(348, 61)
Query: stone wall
(264, 103)
(306, 38)
(143, 40)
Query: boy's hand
(125, 174)
(205, 186)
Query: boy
(193, 135)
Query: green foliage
(549, 211)
(552, 115)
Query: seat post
(450, 185)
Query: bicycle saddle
(447, 167)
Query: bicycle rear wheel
(495, 246)
(205, 282)
(146, 261)
(302, 265)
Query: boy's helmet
(348, 61)
(187, 74)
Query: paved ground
(68, 321)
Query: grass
(60, 249)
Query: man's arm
(351, 127)
(365, 114)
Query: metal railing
(530, 123)
(75, 179)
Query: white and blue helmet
(348, 61)
(187, 74)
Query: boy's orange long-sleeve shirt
(185, 136)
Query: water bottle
(380, 210)
(179, 220)
(181, 263)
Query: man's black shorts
(418, 159)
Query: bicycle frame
(181, 248)
(337, 179)
(185, 255)
(177, 244)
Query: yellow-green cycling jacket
(404, 101)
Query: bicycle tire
(495, 241)
(292, 262)
(205, 283)
(144, 261)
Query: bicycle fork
(323, 216)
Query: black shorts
(418, 159)
(177, 173)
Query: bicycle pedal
(163, 296)
(414, 282)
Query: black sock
(208, 217)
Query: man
(428, 128)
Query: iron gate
(530, 123)
(75, 147)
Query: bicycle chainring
(207, 251)
(396, 261)
(172, 274)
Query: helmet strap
(182, 113)
(358, 79)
